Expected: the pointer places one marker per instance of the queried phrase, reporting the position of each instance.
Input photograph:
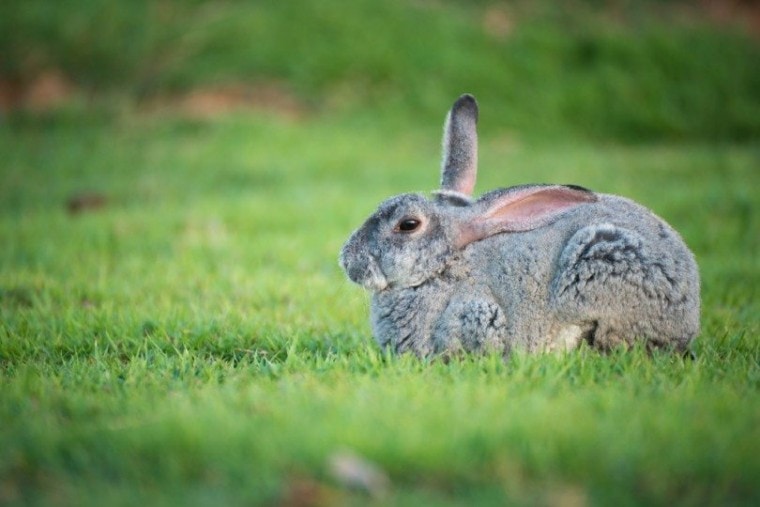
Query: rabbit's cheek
(405, 269)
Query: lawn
(175, 329)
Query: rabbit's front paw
(471, 324)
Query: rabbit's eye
(408, 225)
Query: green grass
(194, 342)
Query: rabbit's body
(616, 272)
(536, 268)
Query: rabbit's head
(402, 244)
(410, 238)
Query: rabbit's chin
(375, 281)
(375, 284)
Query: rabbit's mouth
(373, 278)
(364, 270)
(375, 283)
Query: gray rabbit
(532, 267)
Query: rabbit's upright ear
(460, 147)
(521, 209)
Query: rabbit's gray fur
(533, 267)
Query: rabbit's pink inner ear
(522, 211)
(530, 209)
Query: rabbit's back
(609, 272)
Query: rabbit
(533, 267)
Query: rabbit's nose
(356, 271)
(347, 260)
(358, 268)
(352, 262)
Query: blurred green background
(618, 70)
(177, 177)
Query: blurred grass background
(176, 180)
(624, 70)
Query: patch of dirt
(214, 101)
(10, 94)
(729, 12)
(47, 91)
(51, 89)
(304, 492)
(498, 22)
(567, 496)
